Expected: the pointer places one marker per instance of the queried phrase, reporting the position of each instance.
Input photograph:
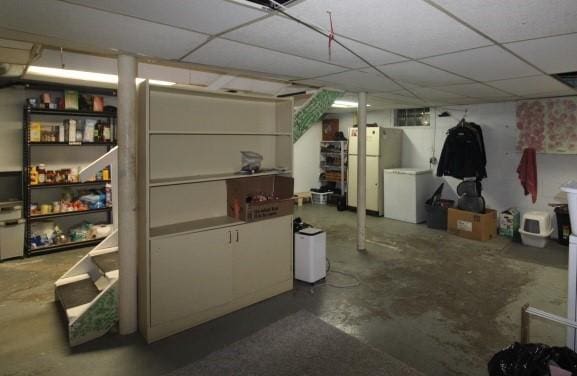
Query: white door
(189, 274)
(372, 181)
(352, 181)
(262, 255)
(373, 140)
(373, 194)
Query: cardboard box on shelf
(509, 222)
(472, 225)
(238, 190)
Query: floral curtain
(548, 125)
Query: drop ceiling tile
(205, 16)
(15, 44)
(483, 64)
(434, 94)
(284, 35)
(202, 78)
(256, 86)
(553, 55)
(514, 20)
(474, 91)
(360, 81)
(420, 74)
(77, 61)
(94, 28)
(228, 54)
(407, 27)
(532, 85)
(549, 94)
(401, 97)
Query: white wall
(498, 121)
(306, 159)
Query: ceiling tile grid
(529, 86)
(475, 90)
(552, 55)
(97, 28)
(205, 16)
(421, 75)
(352, 80)
(483, 64)
(283, 35)
(515, 20)
(408, 27)
(227, 54)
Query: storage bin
(320, 198)
(536, 229)
(10, 210)
(563, 225)
(11, 239)
(436, 215)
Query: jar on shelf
(33, 175)
(41, 173)
(50, 177)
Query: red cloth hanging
(527, 172)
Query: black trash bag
(565, 358)
(521, 360)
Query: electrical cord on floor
(356, 283)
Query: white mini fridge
(405, 191)
(310, 255)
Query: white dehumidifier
(310, 255)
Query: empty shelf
(211, 177)
(194, 226)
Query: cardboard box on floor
(239, 189)
(471, 225)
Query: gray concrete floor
(440, 303)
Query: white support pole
(362, 172)
(127, 200)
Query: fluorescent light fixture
(86, 76)
(72, 74)
(346, 104)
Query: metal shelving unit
(30, 113)
(334, 162)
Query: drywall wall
(11, 104)
(306, 159)
(498, 121)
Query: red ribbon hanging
(331, 33)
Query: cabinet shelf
(68, 214)
(211, 177)
(79, 184)
(215, 133)
(40, 111)
(50, 143)
(65, 246)
(194, 226)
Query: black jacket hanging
(463, 154)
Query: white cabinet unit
(195, 262)
(384, 147)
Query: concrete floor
(439, 303)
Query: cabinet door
(263, 255)
(189, 274)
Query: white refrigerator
(384, 147)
